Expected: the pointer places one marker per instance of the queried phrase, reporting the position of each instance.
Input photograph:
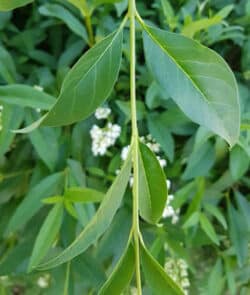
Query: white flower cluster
(105, 137)
(169, 211)
(102, 113)
(1, 126)
(177, 269)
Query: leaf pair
(155, 276)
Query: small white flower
(154, 146)
(162, 162)
(103, 138)
(1, 108)
(124, 153)
(185, 283)
(133, 291)
(168, 184)
(170, 198)
(102, 113)
(131, 180)
(39, 88)
(168, 212)
(43, 282)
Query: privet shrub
(107, 106)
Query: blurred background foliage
(203, 239)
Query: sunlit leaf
(197, 79)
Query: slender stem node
(135, 144)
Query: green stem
(87, 17)
(90, 30)
(135, 145)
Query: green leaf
(32, 201)
(197, 79)
(83, 195)
(239, 162)
(11, 118)
(215, 278)
(238, 234)
(99, 223)
(12, 4)
(88, 83)
(44, 140)
(66, 16)
(152, 185)
(192, 220)
(26, 96)
(46, 235)
(53, 200)
(213, 210)
(155, 276)
(161, 135)
(7, 66)
(200, 161)
(190, 29)
(122, 273)
(208, 228)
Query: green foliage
(136, 190)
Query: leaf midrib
(185, 72)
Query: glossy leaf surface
(88, 83)
(156, 277)
(197, 79)
(121, 275)
(152, 186)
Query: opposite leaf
(47, 235)
(99, 223)
(152, 186)
(88, 83)
(156, 278)
(12, 4)
(121, 275)
(197, 79)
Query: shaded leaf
(152, 185)
(12, 4)
(46, 235)
(66, 16)
(122, 273)
(99, 223)
(156, 277)
(208, 228)
(32, 201)
(26, 96)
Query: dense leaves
(65, 195)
